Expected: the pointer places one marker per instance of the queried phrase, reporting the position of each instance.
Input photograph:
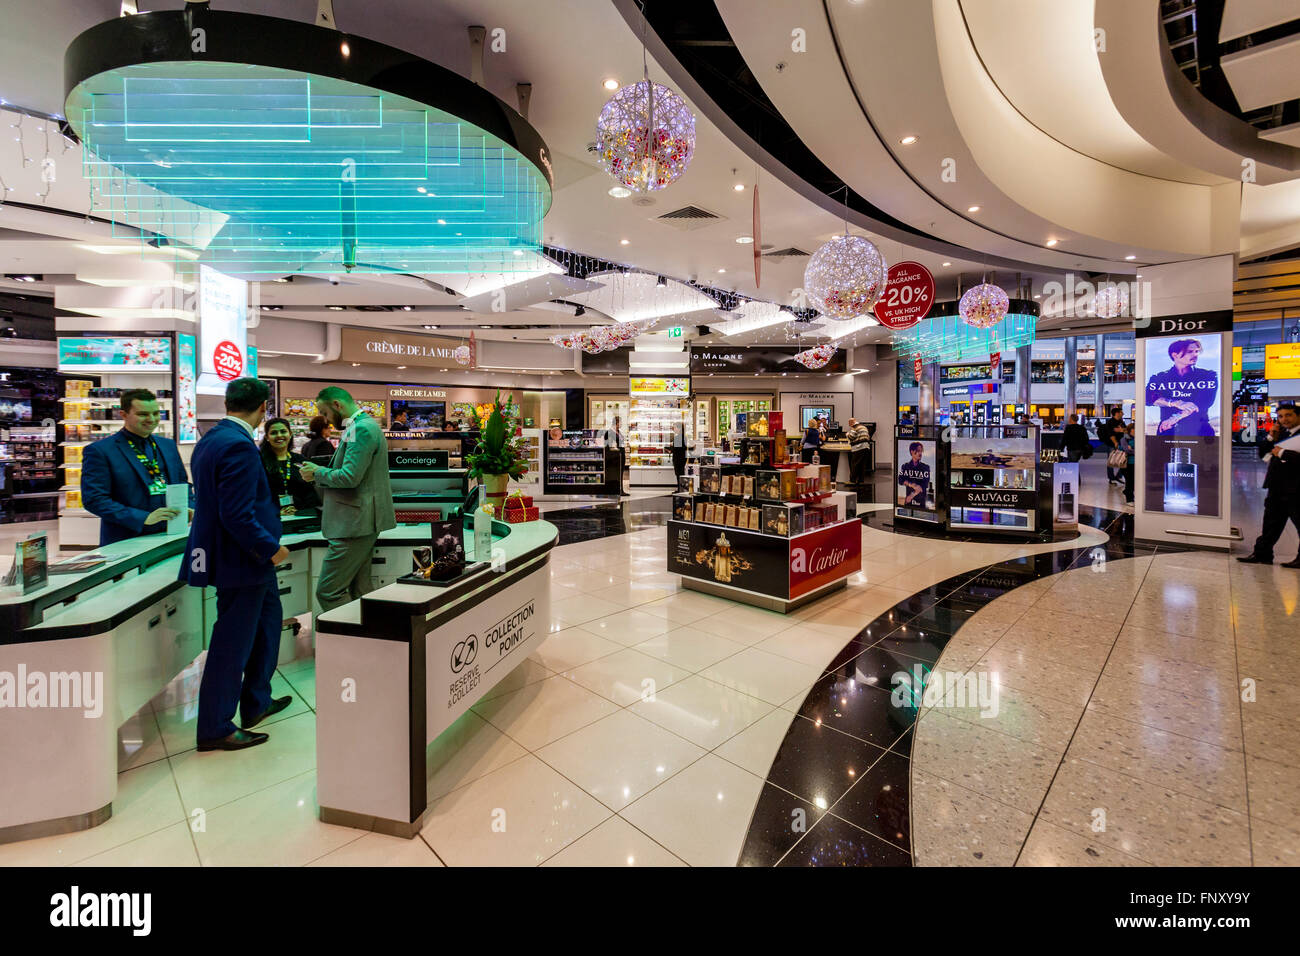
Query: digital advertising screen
(1181, 424)
(915, 480)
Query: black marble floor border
(607, 519)
(845, 761)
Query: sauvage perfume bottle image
(1065, 503)
(1180, 482)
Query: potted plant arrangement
(497, 457)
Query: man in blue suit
(234, 546)
(124, 477)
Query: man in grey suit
(358, 498)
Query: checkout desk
(104, 642)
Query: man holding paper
(125, 477)
(1282, 452)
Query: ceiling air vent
(688, 218)
(790, 252)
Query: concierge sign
(223, 331)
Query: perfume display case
(579, 463)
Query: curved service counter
(81, 654)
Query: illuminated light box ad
(115, 355)
(1181, 425)
(1280, 361)
(187, 420)
(223, 331)
(915, 481)
(665, 387)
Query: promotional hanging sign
(917, 365)
(908, 296)
(995, 366)
(223, 330)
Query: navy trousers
(242, 655)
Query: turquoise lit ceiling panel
(947, 338)
(293, 171)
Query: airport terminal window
(1120, 370)
(1008, 371)
(1047, 372)
(1086, 372)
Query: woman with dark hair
(319, 443)
(295, 495)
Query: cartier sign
(383, 347)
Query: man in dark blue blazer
(124, 477)
(234, 546)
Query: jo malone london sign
(382, 347)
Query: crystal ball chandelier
(645, 136)
(983, 306)
(845, 277)
(1110, 301)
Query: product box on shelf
(699, 510)
(767, 485)
(686, 483)
(749, 486)
(711, 479)
(683, 506)
(789, 484)
(755, 519)
(780, 447)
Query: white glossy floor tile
(614, 843)
(519, 815)
(544, 711)
(377, 849)
(703, 712)
(627, 676)
(702, 814)
(619, 758)
(688, 648)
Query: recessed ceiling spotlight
(421, 189)
(1052, 242)
(972, 208)
(620, 192)
(345, 49)
(485, 326)
(1038, 297)
(356, 364)
(908, 140)
(611, 84)
(1130, 258)
(442, 222)
(744, 240)
(336, 308)
(946, 264)
(519, 252)
(624, 242)
(739, 187)
(400, 367)
(406, 308)
(430, 326)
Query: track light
(579, 312)
(663, 282)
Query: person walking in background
(295, 496)
(1282, 480)
(1124, 437)
(679, 451)
(812, 439)
(124, 477)
(859, 451)
(234, 547)
(614, 439)
(319, 444)
(358, 498)
(1074, 439)
(1110, 441)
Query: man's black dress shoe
(1292, 564)
(236, 741)
(1253, 559)
(277, 704)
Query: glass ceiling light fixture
(984, 306)
(265, 150)
(645, 134)
(817, 356)
(1111, 300)
(845, 277)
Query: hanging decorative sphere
(461, 354)
(645, 136)
(983, 306)
(1110, 301)
(845, 277)
(817, 356)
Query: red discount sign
(917, 365)
(995, 366)
(227, 361)
(908, 296)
